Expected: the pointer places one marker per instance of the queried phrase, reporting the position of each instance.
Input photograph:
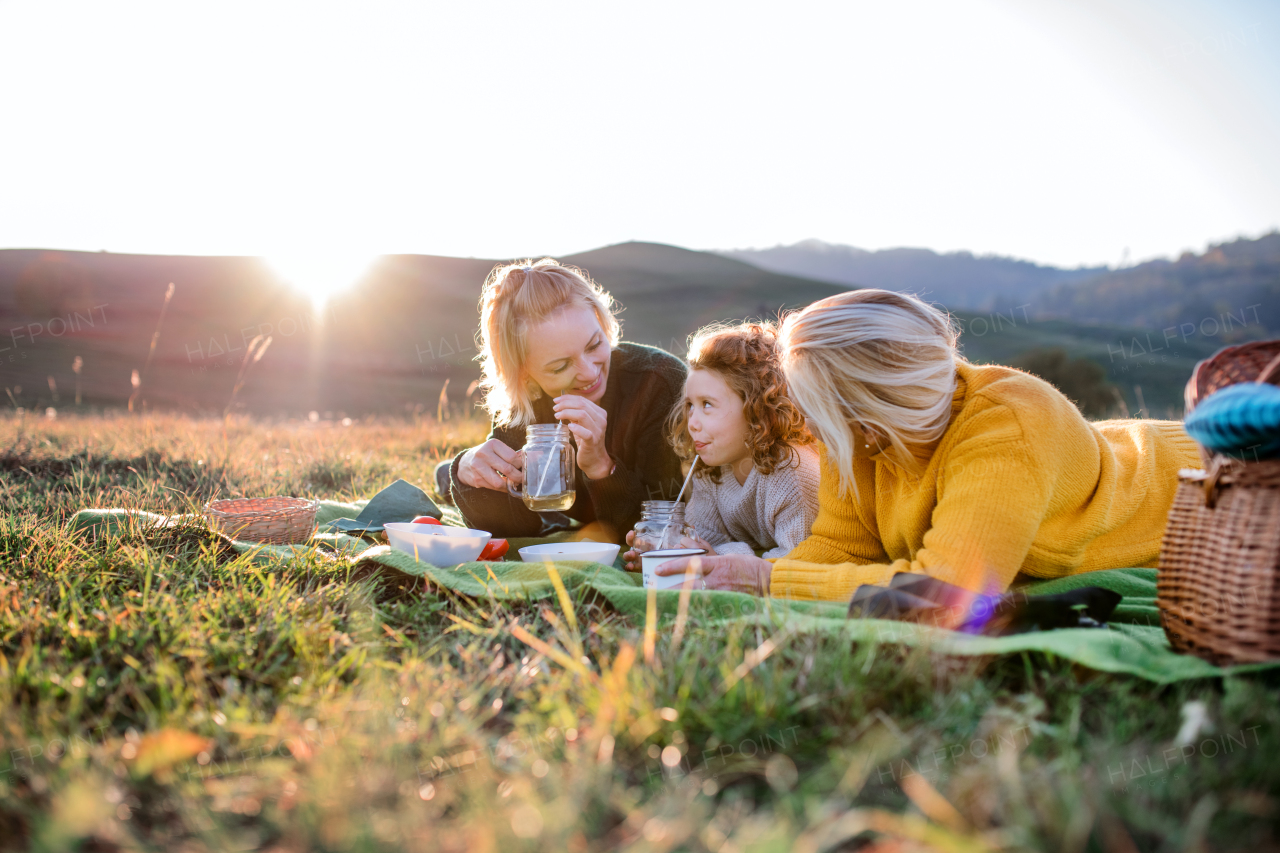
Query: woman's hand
(587, 422)
(484, 467)
(733, 572)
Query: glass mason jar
(550, 469)
(661, 526)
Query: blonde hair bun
(515, 298)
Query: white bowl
(596, 552)
(650, 560)
(437, 544)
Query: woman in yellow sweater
(968, 473)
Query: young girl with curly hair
(755, 487)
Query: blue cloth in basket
(1241, 420)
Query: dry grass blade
(465, 625)
(577, 666)
(934, 805)
(252, 355)
(650, 626)
(754, 658)
(566, 604)
(682, 615)
(76, 365)
(894, 828)
(622, 664)
(155, 338)
(442, 404)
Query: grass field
(160, 693)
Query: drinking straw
(696, 459)
(687, 478)
(542, 481)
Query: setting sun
(320, 274)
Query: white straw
(688, 478)
(663, 540)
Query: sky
(320, 135)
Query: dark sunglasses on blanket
(926, 600)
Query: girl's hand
(587, 422)
(695, 542)
(484, 467)
(733, 572)
(631, 557)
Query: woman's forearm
(827, 581)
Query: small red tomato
(426, 519)
(495, 550)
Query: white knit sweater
(771, 514)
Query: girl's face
(569, 354)
(717, 424)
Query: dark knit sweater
(643, 384)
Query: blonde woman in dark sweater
(550, 352)
(756, 484)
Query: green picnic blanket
(1133, 643)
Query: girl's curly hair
(746, 357)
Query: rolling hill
(959, 280)
(391, 342)
(1231, 291)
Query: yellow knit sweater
(1020, 481)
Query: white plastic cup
(650, 560)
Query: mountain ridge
(1237, 279)
(956, 279)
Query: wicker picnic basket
(270, 521)
(1218, 587)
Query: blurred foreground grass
(159, 693)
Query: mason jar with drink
(549, 469)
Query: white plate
(596, 552)
(437, 544)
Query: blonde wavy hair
(879, 361)
(515, 298)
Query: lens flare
(321, 274)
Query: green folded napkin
(400, 501)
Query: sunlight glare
(320, 274)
